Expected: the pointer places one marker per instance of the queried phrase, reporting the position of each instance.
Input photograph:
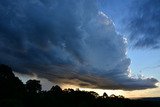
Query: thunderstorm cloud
(66, 41)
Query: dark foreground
(13, 93)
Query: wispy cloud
(144, 24)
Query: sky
(100, 45)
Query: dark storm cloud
(144, 24)
(66, 41)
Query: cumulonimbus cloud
(66, 41)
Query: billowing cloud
(66, 41)
(144, 24)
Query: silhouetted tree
(33, 86)
(105, 95)
(56, 90)
(113, 96)
(121, 96)
(9, 84)
(6, 72)
(94, 94)
(68, 90)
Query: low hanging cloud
(144, 24)
(66, 41)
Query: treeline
(13, 93)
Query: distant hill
(150, 99)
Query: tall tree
(33, 86)
(9, 84)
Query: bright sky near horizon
(46, 85)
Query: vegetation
(13, 93)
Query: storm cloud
(66, 41)
(144, 24)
